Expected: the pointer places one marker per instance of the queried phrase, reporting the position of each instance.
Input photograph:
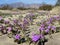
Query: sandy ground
(23, 11)
(55, 40)
(4, 40)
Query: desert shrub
(46, 7)
(57, 5)
(6, 7)
(21, 8)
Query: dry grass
(55, 10)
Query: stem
(23, 32)
(34, 43)
(50, 34)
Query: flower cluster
(17, 26)
(14, 27)
(48, 25)
(36, 37)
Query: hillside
(55, 10)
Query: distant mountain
(1, 5)
(33, 6)
(17, 4)
(20, 4)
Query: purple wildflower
(6, 21)
(54, 17)
(17, 36)
(9, 28)
(57, 18)
(31, 19)
(49, 27)
(35, 38)
(51, 19)
(41, 36)
(53, 28)
(1, 18)
(48, 22)
(25, 21)
(42, 25)
(41, 28)
(15, 20)
(47, 30)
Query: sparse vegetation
(46, 7)
(6, 7)
(20, 29)
(29, 26)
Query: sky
(53, 2)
